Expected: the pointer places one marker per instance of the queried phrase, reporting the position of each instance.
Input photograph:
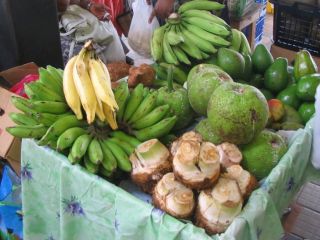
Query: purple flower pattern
(73, 206)
(26, 173)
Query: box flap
(13, 75)
(6, 107)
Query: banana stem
(170, 78)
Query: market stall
(213, 140)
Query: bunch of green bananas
(239, 42)
(139, 113)
(98, 154)
(45, 106)
(179, 75)
(192, 32)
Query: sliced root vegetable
(173, 197)
(227, 192)
(150, 161)
(246, 181)
(196, 164)
(229, 154)
(213, 216)
(191, 136)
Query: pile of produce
(194, 166)
(204, 70)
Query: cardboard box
(289, 54)
(9, 145)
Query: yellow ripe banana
(110, 116)
(84, 86)
(69, 89)
(99, 111)
(101, 83)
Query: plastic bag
(140, 32)
(18, 88)
(315, 158)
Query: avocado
(232, 62)
(276, 76)
(261, 59)
(291, 115)
(247, 67)
(288, 96)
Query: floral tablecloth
(61, 201)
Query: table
(61, 201)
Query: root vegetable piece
(173, 197)
(150, 162)
(246, 181)
(191, 135)
(213, 216)
(144, 74)
(229, 154)
(196, 165)
(227, 192)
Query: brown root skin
(162, 200)
(147, 181)
(202, 222)
(205, 183)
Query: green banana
(168, 53)
(134, 101)
(53, 144)
(214, 39)
(202, 44)
(174, 38)
(80, 146)
(22, 119)
(236, 40)
(208, 26)
(245, 48)
(126, 138)
(104, 172)
(54, 72)
(72, 160)
(39, 91)
(192, 50)
(95, 152)
(59, 126)
(156, 43)
(67, 138)
(146, 92)
(90, 166)
(201, 5)
(181, 56)
(49, 107)
(146, 106)
(109, 161)
(152, 118)
(47, 119)
(48, 78)
(163, 83)
(204, 55)
(205, 15)
(121, 95)
(120, 155)
(22, 104)
(35, 131)
(161, 73)
(124, 145)
(155, 131)
(60, 71)
(178, 74)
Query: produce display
(196, 130)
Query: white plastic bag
(140, 32)
(315, 158)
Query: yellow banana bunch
(87, 82)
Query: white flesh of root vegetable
(193, 136)
(150, 161)
(213, 216)
(227, 192)
(196, 164)
(246, 181)
(173, 197)
(229, 154)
